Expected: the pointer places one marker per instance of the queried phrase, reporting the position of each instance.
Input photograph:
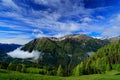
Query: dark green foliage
(105, 59)
(0, 66)
(23, 68)
(19, 67)
(108, 67)
(59, 71)
(118, 67)
(4, 65)
(11, 66)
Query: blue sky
(24, 20)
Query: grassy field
(12, 75)
(35, 70)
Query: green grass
(12, 75)
(35, 70)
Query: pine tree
(81, 68)
(98, 65)
(9, 66)
(0, 66)
(78, 70)
(23, 68)
(59, 71)
(118, 67)
(108, 67)
(18, 68)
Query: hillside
(4, 48)
(67, 51)
(105, 59)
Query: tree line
(105, 59)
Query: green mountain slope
(105, 59)
(67, 51)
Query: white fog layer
(18, 53)
(90, 53)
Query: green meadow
(13, 75)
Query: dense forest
(105, 59)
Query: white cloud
(112, 31)
(10, 4)
(61, 34)
(65, 7)
(22, 39)
(14, 26)
(101, 17)
(69, 27)
(115, 19)
(87, 19)
(13, 32)
(97, 37)
(41, 35)
(46, 20)
(113, 26)
(18, 53)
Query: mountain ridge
(69, 51)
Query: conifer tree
(108, 67)
(59, 71)
(81, 68)
(0, 66)
(9, 66)
(78, 70)
(118, 67)
(23, 68)
(19, 68)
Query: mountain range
(5, 48)
(67, 51)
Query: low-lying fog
(18, 53)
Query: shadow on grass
(16, 79)
(3, 71)
(117, 74)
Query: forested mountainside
(105, 59)
(57, 53)
(67, 51)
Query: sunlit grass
(13, 75)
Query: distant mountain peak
(72, 36)
(70, 49)
(77, 36)
(115, 38)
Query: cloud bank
(18, 53)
